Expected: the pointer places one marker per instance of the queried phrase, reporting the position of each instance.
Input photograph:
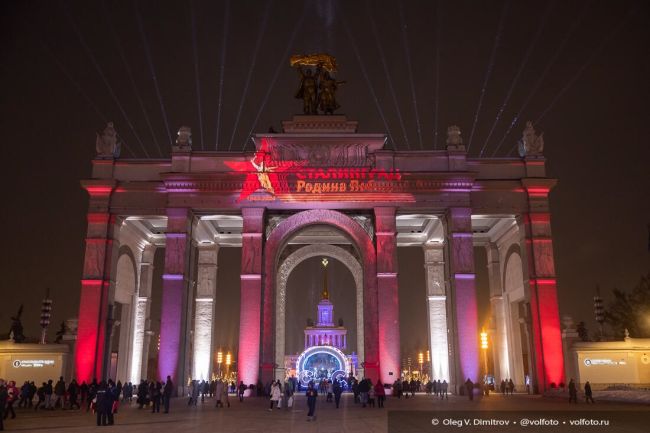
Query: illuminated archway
(276, 242)
(285, 269)
(321, 362)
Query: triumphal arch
(319, 188)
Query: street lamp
(228, 362)
(421, 361)
(219, 361)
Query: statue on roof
(454, 140)
(107, 143)
(317, 87)
(530, 143)
(184, 138)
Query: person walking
(3, 401)
(380, 392)
(588, 393)
(573, 392)
(224, 395)
(59, 392)
(511, 386)
(469, 387)
(276, 394)
(311, 401)
(443, 389)
(337, 389)
(40, 393)
(12, 396)
(73, 390)
(49, 390)
(241, 391)
(364, 387)
(101, 405)
(167, 393)
(218, 393)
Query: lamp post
(421, 361)
(228, 362)
(219, 361)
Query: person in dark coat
(3, 401)
(338, 390)
(101, 404)
(311, 393)
(156, 396)
(469, 387)
(167, 393)
(573, 392)
(73, 390)
(588, 393)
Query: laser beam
(551, 62)
(513, 83)
(152, 70)
(258, 43)
(129, 73)
(104, 79)
(384, 64)
(407, 53)
(222, 66)
(490, 67)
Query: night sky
(578, 69)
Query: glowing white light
(438, 337)
(138, 339)
(202, 338)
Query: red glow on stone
(98, 218)
(88, 352)
(538, 191)
(551, 333)
(540, 217)
(99, 190)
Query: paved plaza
(253, 415)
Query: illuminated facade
(319, 188)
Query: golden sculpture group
(317, 88)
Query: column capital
(459, 219)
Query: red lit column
(174, 286)
(545, 316)
(248, 362)
(95, 284)
(463, 284)
(388, 300)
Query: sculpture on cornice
(530, 143)
(107, 144)
(184, 138)
(16, 331)
(454, 140)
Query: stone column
(248, 362)
(542, 283)
(500, 347)
(387, 290)
(206, 290)
(434, 267)
(142, 307)
(463, 284)
(99, 261)
(174, 288)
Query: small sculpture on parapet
(16, 331)
(454, 140)
(530, 143)
(107, 144)
(184, 139)
(61, 333)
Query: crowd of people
(104, 397)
